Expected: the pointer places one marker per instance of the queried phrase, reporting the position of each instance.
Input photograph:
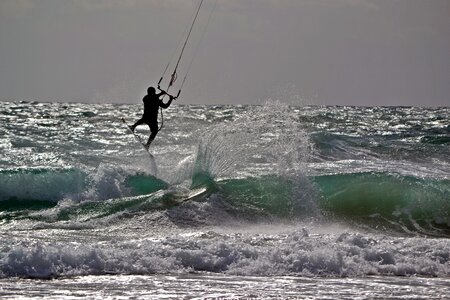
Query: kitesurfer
(152, 104)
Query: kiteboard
(138, 138)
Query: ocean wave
(296, 253)
(335, 146)
(380, 201)
(39, 184)
(388, 201)
(55, 184)
(49, 195)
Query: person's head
(151, 91)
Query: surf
(220, 175)
(240, 191)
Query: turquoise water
(270, 190)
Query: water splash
(229, 149)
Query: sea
(270, 201)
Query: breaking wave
(379, 201)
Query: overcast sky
(334, 52)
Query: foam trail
(153, 169)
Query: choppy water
(306, 202)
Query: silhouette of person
(152, 103)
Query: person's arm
(161, 94)
(166, 105)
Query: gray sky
(335, 52)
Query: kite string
(180, 40)
(198, 44)
(174, 74)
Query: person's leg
(154, 131)
(139, 122)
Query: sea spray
(291, 148)
(227, 149)
(282, 144)
(106, 183)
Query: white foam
(295, 253)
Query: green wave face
(379, 199)
(65, 194)
(268, 195)
(375, 200)
(19, 186)
(144, 184)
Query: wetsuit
(152, 103)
